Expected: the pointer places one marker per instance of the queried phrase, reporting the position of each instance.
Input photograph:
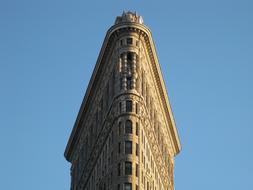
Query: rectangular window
(142, 178)
(136, 171)
(137, 150)
(129, 106)
(119, 169)
(129, 41)
(118, 187)
(128, 186)
(129, 56)
(120, 107)
(119, 147)
(128, 127)
(119, 128)
(128, 147)
(129, 83)
(137, 129)
(128, 168)
(136, 108)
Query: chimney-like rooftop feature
(129, 17)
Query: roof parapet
(129, 17)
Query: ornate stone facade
(124, 137)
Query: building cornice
(113, 32)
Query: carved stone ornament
(129, 17)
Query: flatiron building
(124, 137)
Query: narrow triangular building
(124, 137)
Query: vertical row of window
(129, 69)
(128, 149)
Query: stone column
(134, 71)
(118, 74)
(124, 69)
(171, 173)
(138, 73)
(119, 64)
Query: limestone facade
(124, 137)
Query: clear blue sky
(48, 50)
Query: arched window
(129, 56)
(128, 127)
